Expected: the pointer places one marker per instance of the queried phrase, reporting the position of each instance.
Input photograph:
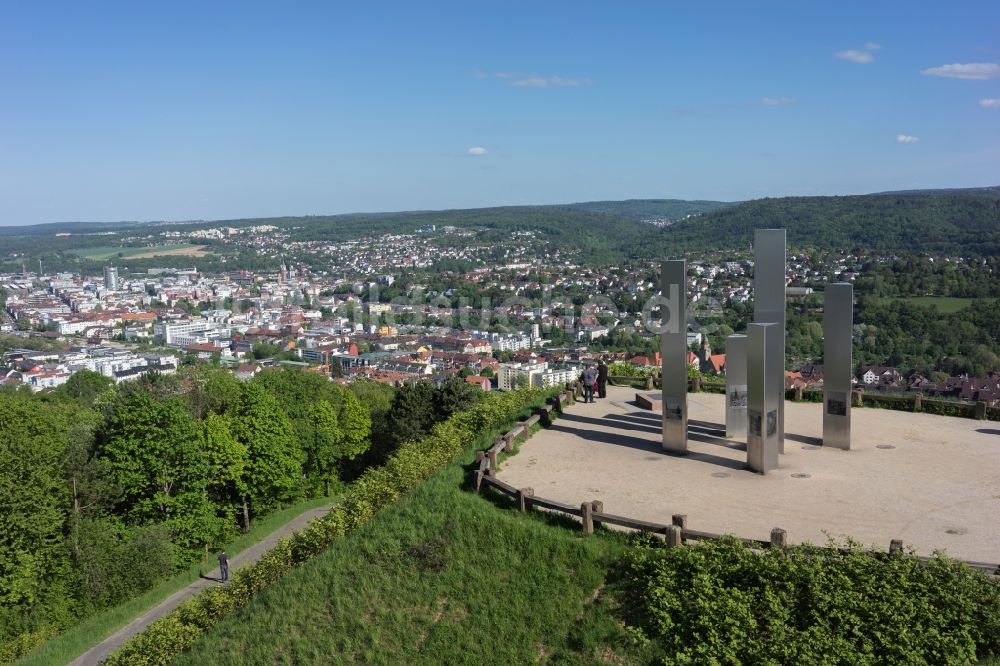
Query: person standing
(223, 566)
(589, 380)
(602, 379)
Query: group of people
(595, 380)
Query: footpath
(103, 650)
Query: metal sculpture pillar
(769, 304)
(764, 350)
(838, 324)
(673, 344)
(736, 386)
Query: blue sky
(207, 110)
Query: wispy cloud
(873, 46)
(990, 103)
(476, 151)
(977, 71)
(778, 101)
(522, 80)
(855, 55)
(906, 138)
(550, 82)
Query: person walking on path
(602, 379)
(589, 380)
(223, 566)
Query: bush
(724, 603)
(375, 489)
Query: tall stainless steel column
(763, 397)
(736, 386)
(838, 325)
(673, 344)
(769, 303)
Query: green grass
(80, 638)
(441, 576)
(108, 252)
(944, 304)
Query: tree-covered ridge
(645, 209)
(943, 225)
(948, 223)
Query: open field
(107, 252)
(944, 304)
(932, 481)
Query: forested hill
(649, 209)
(940, 224)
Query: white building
(188, 332)
(512, 375)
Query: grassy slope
(443, 576)
(80, 638)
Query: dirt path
(103, 650)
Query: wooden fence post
(586, 513)
(508, 441)
(524, 496)
(597, 506)
(649, 382)
(917, 401)
(798, 392)
(492, 453)
(680, 520)
(673, 536)
(980, 412)
(480, 456)
(779, 538)
(896, 547)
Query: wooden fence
(592, 514)
(910, 401)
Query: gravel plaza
(932, 481)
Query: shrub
(724, 603)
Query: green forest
(939, 223)
(107, 489)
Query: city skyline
(192, 112)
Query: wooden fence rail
(593, 516)
(908, 401)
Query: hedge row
(721, 602)
(375, 489)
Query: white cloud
(476, 151)
(778, 101)
(990, 103)
(906, 138)
(873, 46)
(855, 56)
(978, 71)
(526, 80)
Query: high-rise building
(110, 278)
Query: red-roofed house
(482, 382)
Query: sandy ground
(935, 481)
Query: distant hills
(940, 222)
(955, 222)
(648, 209)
